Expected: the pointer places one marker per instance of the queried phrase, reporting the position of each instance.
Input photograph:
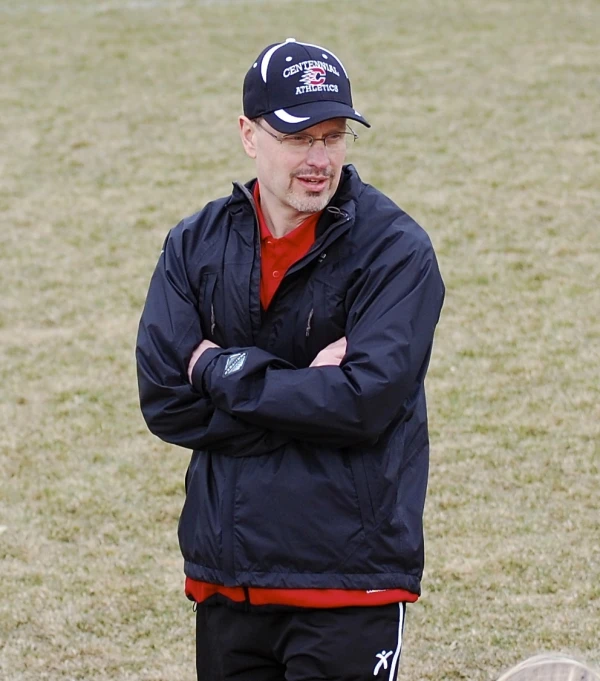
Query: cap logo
(314, 76)
(310, 64)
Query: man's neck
(280, 219)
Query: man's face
(304, 179)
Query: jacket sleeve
(169, 331)
(396, 303)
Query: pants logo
(383, 661)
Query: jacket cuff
(205, 359)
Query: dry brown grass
(118, 118)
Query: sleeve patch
(234, 363)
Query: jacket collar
(343, 201)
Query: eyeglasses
(333, 141)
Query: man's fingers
(332, 354)
(204, 345)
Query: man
(285, 340)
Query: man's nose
(317, 155)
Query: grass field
(119, 118)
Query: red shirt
(300, 598)
(277, 256)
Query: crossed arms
(352, 391)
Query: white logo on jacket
(235, 363)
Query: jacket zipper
(334, 210)
(309, 322)
(309, 257)
(322, 254)
(250, 198)
(227, 545)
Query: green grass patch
(119, 118)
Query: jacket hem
(306, 580)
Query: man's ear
(248, 134)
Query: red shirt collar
(297, 237)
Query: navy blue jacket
(301, 477)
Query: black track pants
(341, 644)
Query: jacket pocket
(208, 317)
(378, 472)
(365, 500)
(199, 529)
(322, 319)
(296, 513)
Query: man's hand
(205, 345)
(332, 355)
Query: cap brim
(296, 118)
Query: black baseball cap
(294, 85)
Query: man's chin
(308, 203)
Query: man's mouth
(313, 183)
